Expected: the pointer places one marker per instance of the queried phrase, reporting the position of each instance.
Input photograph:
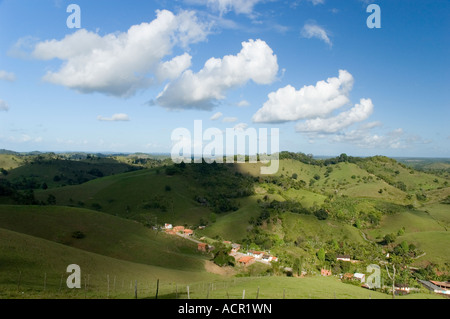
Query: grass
(317, 287)
(427, 231)
(10, 162)
(295, 225)
(126, 195)
(413, 221)
(104, 234)
(28, 260)
(233, 226)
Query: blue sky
(137, 70)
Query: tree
(405, 246)
(321, 254)
(51, 199)
(294, 176)
(44, 186)
(221, 257)
(389, 238)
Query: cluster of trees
(221, 255)
(308, 158)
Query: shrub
(78, 234)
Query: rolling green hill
(341, 205)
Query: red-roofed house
(325, 272)
(246, 260)
(178, 229)
(188, 232)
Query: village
(248, 257)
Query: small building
(203, 247)
(178, 229)
(359, 276)
(246, 260)
(347, 276)
(188, 232)
(441, 289)
(227, 242)
(168, 226)
(343, 257)
(170, 231)
(235, 248)
(325, 272)
(255, 253)
(402, 288)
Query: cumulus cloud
(4, 106)
(289, 104)
(230, 119)
(314, 31)
(225, 6)
(316, 2)
(120, 63)
(240, 127)
(216, 116)
(7, 76)
(25, 138)
(172, 69)
(364, 138)
(243, 103)
(256, 61)
(121, 117)
(358, 113)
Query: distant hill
(310, 211)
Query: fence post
(257, 293)
(157, 289)
(189, 297)
(243, 294)
(107, 279)
(60, 283)
(135, 289)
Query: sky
(131, 72)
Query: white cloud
(121, 117)
(7, 76)
(4, 106)
(314, 31)
(25, 138)
(120, 63)
(316, 2)
(216, 116)
(289, 104)
(240, 127)
(243, 103)
(358, 113)
(362, 137)
(201, 90)
(230, 119)
(172, 69)
(225, 6)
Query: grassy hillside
(27, 261)
(9, 161)
(104, 234)
(306, 214)
(58, 172)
